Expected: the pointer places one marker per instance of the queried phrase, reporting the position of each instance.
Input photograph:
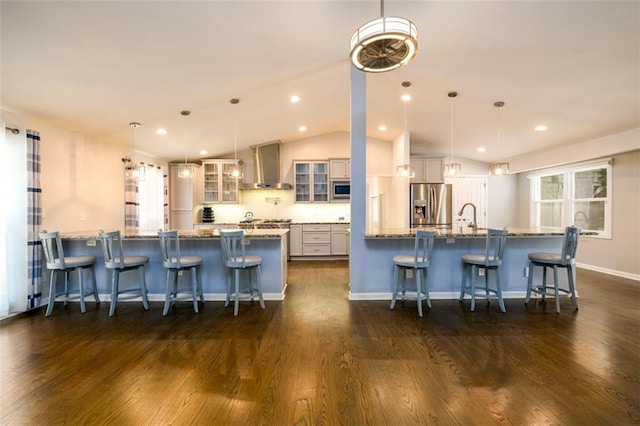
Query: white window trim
(568, 200)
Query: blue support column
(358, 178)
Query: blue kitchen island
(270, 244)
(375, 271)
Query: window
(573, 195)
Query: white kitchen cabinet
(311, 180)
(218, 184)
(184, 195)
(295, 240)
(340, 239)
(340, 169)
(316, 240)
(427, 170)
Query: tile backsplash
(276, 204)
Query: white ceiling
(94, 66)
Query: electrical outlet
(481, 272)
(409, 273)
(526, 272)
(83, 216)
(180, 273)
(451, 241)
(91, 243)
(246, 241)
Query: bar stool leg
(83, 307)
(259, 284)
(115, 281)
(52, 292)
(143, 288)
(418, 274)
(194, 288)
(572, 288)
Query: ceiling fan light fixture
(384, 44)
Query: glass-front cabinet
(311, 181)
(219, 185)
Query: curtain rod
(12, 130)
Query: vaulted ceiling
(95, 66)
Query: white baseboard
(442, 295)
(635, 277)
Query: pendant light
(135, 169)
(186, 170)
(499, 169)
(452, 169)
(405, 170)
(236, 171)
(384, 44)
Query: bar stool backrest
(423, 248)
(112, 249)
(170, 248)
(570, 245)
(232, 243)
(53, 251)
(494, 248)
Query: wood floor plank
(318, 358)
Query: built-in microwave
(340, 190)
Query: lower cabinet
(319, 240)
(339, 239)
(295, 240)
(316, 240)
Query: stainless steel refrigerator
(430, 204)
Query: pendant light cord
(452, 95)
(185, 113)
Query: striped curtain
(34, 221)
(131, 204)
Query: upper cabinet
(340, 168)
(428, 170)
(311, 180)
(219, 186)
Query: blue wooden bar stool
(117, 262)
(234, 257)
(566, 259)
(490, 260)
(57, 263)
(174, 261)
(419, 263)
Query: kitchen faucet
(473, 224)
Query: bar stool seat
(57, 263)
(419, 262)
(174, 261)
(490, 260)
(236, 260)
(115, 260)
(566, 259)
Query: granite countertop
(317, 222)
(464, 232)
(187, 233)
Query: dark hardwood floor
(317, 358)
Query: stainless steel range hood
(266, 167)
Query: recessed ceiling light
(382, 128)
(204, 152)
(302, 128)
(406, 97)
(161, 131)
(540, 128)
(295, 99)
(482, 149)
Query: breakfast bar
(445, 272)
(270, 244)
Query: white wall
(80, 177)
(621, 253)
